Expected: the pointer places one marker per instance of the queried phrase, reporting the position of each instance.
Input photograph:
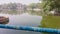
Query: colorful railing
(27, 28)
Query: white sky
(19, 1)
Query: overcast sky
(19, 1)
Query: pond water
(21, 20)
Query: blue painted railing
(27, 28)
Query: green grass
(51, 21)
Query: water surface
(21, 20)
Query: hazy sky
(19, 1)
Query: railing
(27, 28)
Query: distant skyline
(19, 1)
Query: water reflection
(12, 12)
(21, 20)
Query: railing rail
(27, 28)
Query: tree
(32, 6)
(50, 5)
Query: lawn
(51, 21)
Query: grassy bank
(51, 21)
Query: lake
(24, 19)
